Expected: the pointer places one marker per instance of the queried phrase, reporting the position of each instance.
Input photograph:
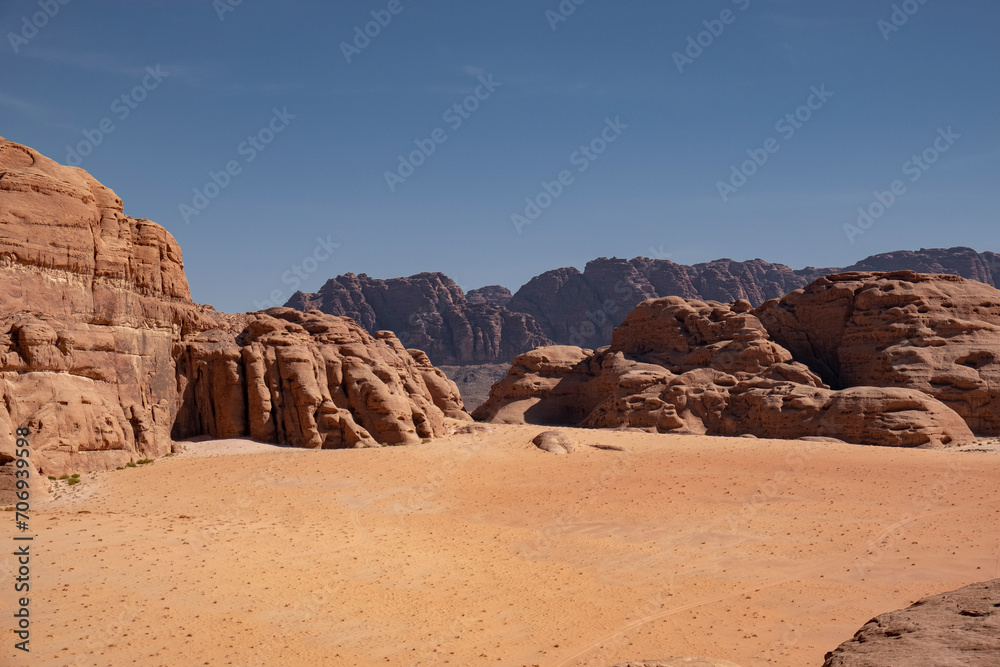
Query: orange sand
(482, 550)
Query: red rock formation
(957, 628)
(686, 366)
(430, 312)
(103, 354)
(939, 334)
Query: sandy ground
(482, 550)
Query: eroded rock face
(430, 312)
(939, 334)
(686, 366)
(104, 356)
(310, 380)
(957, 628)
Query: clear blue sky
(653, 190)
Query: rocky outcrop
(104, 357)
(430, 312)
(957, 628)
(309, 380)
(687, 366)
(939, 334)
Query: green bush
(130, 464)
(73, 480)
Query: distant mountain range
(430, 312)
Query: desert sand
(480, 549)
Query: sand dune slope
(480, 549)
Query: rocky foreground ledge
(105, 359)
(960, 628)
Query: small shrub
(130, 464)
(143, 462)
(73, 480)
(120, 468)
(63, 476)
(425, 441)
(75, 475)
(52, 477)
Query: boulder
(554, 442)
(680, 662)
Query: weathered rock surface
(686, 366)
(939, 334)
(957, 628)
(430, 312)
(554, 442)
(495, 294)
(104, 357)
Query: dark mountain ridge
(429, 311)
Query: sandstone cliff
(104, 356)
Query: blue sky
(654, 190)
